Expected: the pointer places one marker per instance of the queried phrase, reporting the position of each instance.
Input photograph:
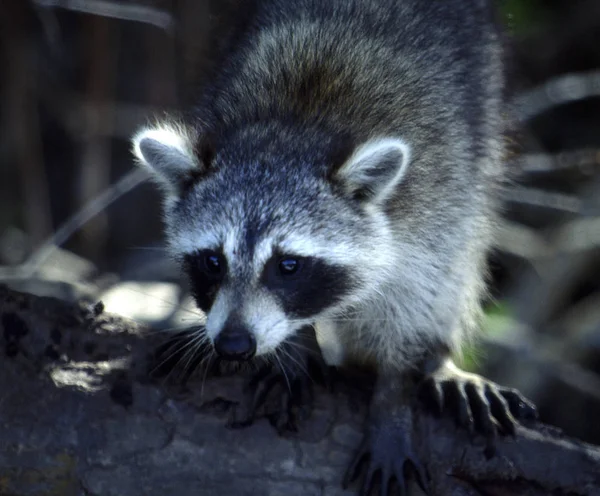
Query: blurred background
(77, 220)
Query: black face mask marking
(206, 270)
(305, 286)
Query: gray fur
(307, 85)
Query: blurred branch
(578, 235)
(541, 291)
(101, 43)
(586, 160)
(579, 323)
(546, 354)
(21, 118)
(125, 117)
(89, 211)
(160, 74)
(521, 241)
(115, 10)
(557, 91)
(112, 119)
(526, 243)
(542, 198)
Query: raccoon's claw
(387, 447)
(296, 403)
(386, 453)
(521, 407)
(477, 403)
(295, 399)
(255, 393)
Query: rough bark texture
(79, 416)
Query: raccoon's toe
(292, 400)
(520, 407)
(255, 394)
(479, 405)
(296, 404)
(385, 453)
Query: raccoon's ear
(373, 171)
(168, 154)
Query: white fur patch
(169, 155)
(270, 325)
(329, 341)
(360, 169)
(219, 312)
(313, 247)
(267, 321)
(230, 246)
(186, 243)
(263, 251)
(171, 136)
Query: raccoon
(338, 172)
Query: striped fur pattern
(361, 135)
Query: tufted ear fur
(167, 152)
(373, 171)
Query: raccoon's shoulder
(325, 60)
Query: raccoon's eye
(213, 263)
(288, 266)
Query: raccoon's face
(270, 248)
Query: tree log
(80, 415)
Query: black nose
(235, 345)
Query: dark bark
(80, 416)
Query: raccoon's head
(273, 245)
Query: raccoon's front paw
(290, 380)
(387, 451)
(294, 395)
(477, 403)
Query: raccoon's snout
(236, 344)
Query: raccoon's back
(357, 67)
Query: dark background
(79, 78)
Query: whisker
(258, 362)
(170, 330)
(300, 346)
(280, 321)
(208, 359)
(194, 344)
(283, 372)
(297, 362)
(176, 367)
(177, 346)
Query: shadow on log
(80, 416)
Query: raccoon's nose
(235, 345)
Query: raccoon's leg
(291, 376)
(387, 445)
(477, 403)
